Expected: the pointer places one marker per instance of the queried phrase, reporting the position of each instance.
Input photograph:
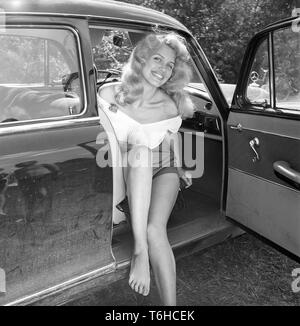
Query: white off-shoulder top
(129, 131)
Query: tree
(223, 27)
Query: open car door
(263, 131)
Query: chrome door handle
(254, 142)
(285, 170)
(238, 127)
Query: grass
(241, 271)
(238, 272)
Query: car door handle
(238, 127)
(254, 142)
(284, 169)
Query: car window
(111, 50)
(287, 69)
(39, 74)
(257, 91)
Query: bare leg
(139, 183)
(164, 194)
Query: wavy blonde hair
(131, 87)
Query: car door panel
(56, 207)
(55, 200)
(257, 197)
(263, 191)
(252, 202)
(272, 148)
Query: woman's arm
(174, 141)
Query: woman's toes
(131, 279)
(146, 291)
(141, 289)
(136, 288)
(132, 284)
(139, 276)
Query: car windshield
(111, 50)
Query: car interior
(41, 76)
(196, 213)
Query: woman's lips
(157, 75)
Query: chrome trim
(205, 134)
(238, 127)
(84, 97)
(117, 19)
(254, 142)
(65, 285)
(123, 264)
(272, 75)
(47, 125)
(271, 133)
(263, 179)
(121, 28)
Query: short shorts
(163, 162)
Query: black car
(60, 230)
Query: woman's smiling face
(159, 67)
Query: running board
(195, 235)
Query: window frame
(274, 73)
(240, 103)
(81, 70)
(262, 106)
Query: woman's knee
(140, 156)
(155, 233)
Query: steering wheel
(109, 73)
(68, 79)
(9, 120)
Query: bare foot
(139, 276)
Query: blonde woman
(146, 111)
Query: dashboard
(206, 117)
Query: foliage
(106, 54)
(223, 27)
(22, 60)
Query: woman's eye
(157, 59)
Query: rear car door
(55, 201)
(264, 138)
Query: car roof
(281, 21)
(92, 8)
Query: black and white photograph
(149, 155)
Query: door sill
(53, 295)
(195, 235)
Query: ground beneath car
(240, 271)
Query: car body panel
(56, 205)
(56, 201)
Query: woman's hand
(185, 178)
